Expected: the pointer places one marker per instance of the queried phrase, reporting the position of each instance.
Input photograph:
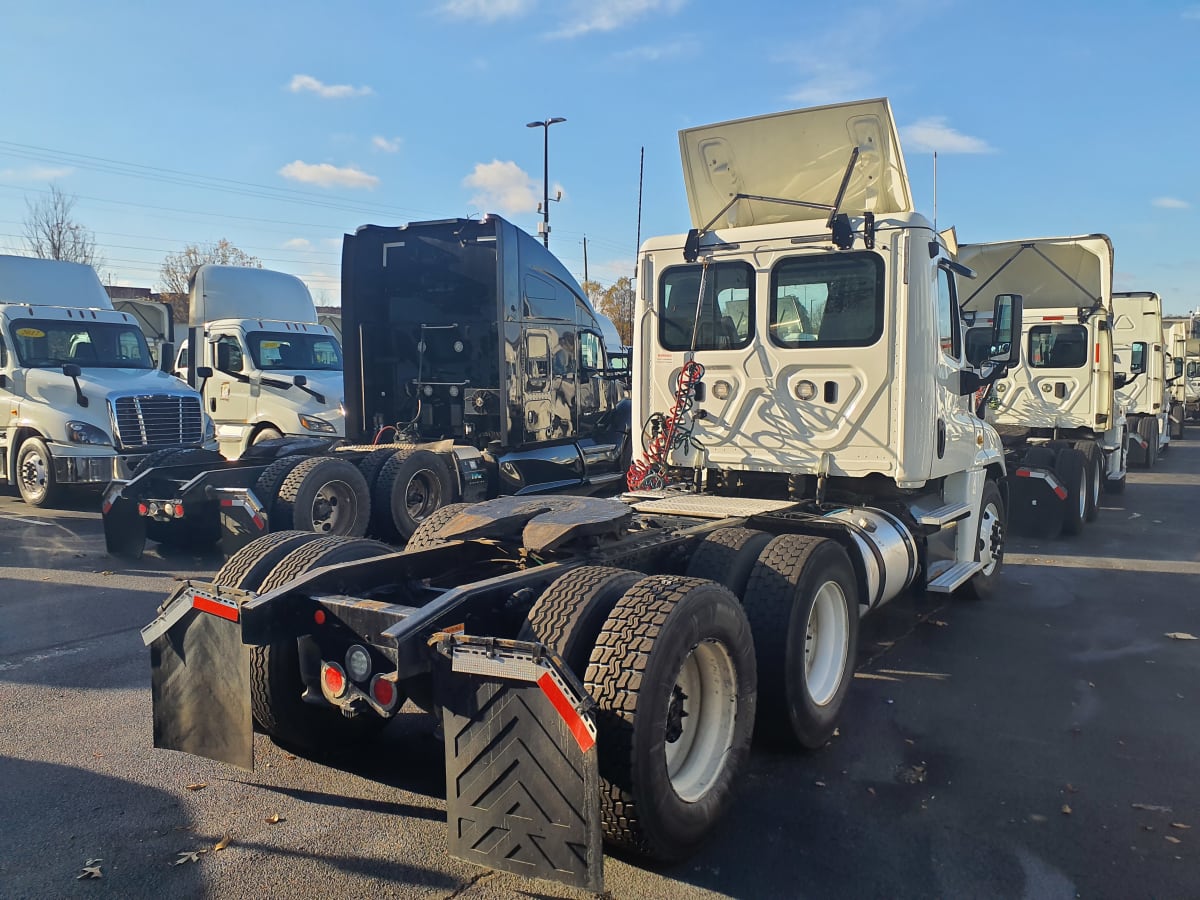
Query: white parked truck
(85, 401)
(1056, 410)
(799, 372)
(1183, 344)
(273, 371)
(1145, 396)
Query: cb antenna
(935, 192)
(637, 248)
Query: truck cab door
(226, 395)
(9, 399)
(600, 436)
(954, 419)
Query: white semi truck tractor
(1056, 410)
(85, 403)
(809, 452)
(1145, 396)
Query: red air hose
(669, 431)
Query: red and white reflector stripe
(1053, 483)
(574, 721)
(216, 606)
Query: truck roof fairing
(1050, 273)
(799, 157)
(51, 282)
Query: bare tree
(52, 233)
(177, 270)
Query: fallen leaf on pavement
(1180, 825)
(819, 783)
(91, 869)
(222, 843)
(188, 856)
(1071, 789)
(1171, 838)
(274, 819)
(198, 786)
(1035, 817)
(1066, 809)
(1149, 807)
(291, 756)
(1181, 636)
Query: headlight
(210, 429)
(312, 423)
(83, 433)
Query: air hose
(664, 433)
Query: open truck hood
(153, 317)
(1050, 273)
(797, 156)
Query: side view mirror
(204, 372)
(166, 357)
(72, 370)
(1006, 330)
(299, 380)
(1120, 379)
(1137, 358)
(1178, 367)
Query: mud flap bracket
(522, 781)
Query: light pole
(546, 173)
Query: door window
(726, 311)
(947, 316)
(1058, 346)
(591, 356)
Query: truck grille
(158, 420)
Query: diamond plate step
(953, 577)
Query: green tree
(176, 271)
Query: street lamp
(546, 173)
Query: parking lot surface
(1042, 744)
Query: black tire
(667, 766)
(276, 685)
(1177, 417)
(1039, 458)
(727, 556)
(779, 602)
(370, 465)
(411, 485)
(325, 495)
(569, 614)
(35, 474)
(1153, 440)
(1094, 466)
(247, 568)
(266, 487)
(426, 534)
(990, 538)
(175, 456)
(1071, 469)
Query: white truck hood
(1049, 273)
(799, 156)
(328, 384)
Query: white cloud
(486, 10)
(327, 175)
(387, 145)
(932, 134)
(1171, 203)
(591, 16)
(656, 52)
(36, 173)
(502, 186)
(300, 83)
(297, 244)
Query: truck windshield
(827, 301)
(294, 351)
(49, 343)
(1058, 346)
(726, 311)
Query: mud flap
(243, 519)
(124, 529)
(522, 782)
(200, 679)
(1036, 499)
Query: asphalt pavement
(1043, 744)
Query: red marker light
(333, 679)
(319, 617)
(383, 691)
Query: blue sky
(281, 126)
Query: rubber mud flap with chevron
(522, 779)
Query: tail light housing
(384, 692)
(333, 680)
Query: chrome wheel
(990, 538)
(33, 472)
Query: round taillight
(383, 691)
(333, 679)
(358, 662)
(319, 617)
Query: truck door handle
(212, 404)
(941, 438)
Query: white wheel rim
(826, 643)
(33, 473)
(1095, 486)
(334, 508)
(708, 682)
(988, 523)
(1083, 493)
